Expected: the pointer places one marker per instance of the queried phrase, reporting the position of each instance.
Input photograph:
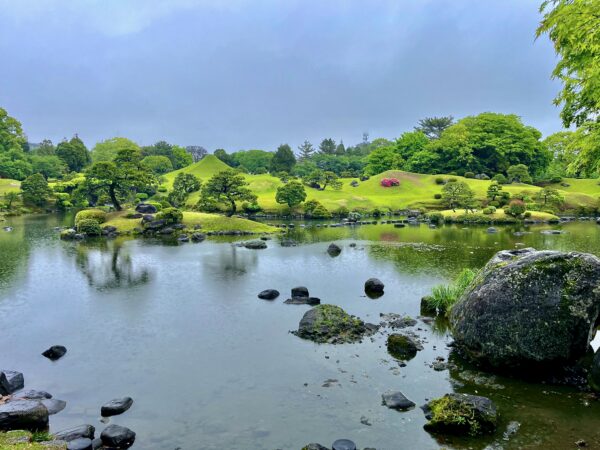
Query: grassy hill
(8, 185)
(415, 190)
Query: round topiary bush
(162, 189)
(489, 210)
(437, 196)
(469, 175)
(141, 196)
(515, 208)
(440, 180)
(171, 216)
(95, 214)
(89, 226)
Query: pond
(210, 366)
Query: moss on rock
(461, 414)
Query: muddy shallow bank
(188, 339)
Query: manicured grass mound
(208, 222)
(460, 215)
(8, 185)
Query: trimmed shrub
(489, 210)
(251, 208)
(440, 180)
(97, 215)
(342, 211)
(515, 208)
(89, 226)
(500, 179)
(171, 216)
(162, 189)
(527, 214)
(159, 205)
(469, 175)
(141, 196)
(435, 217)
(389, 182)
(437, 196)
(555, 179)
(452, 180)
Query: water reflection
(232, 263)
(107, 264)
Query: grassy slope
(7, 185)
(209, 222)
(415, 190)
(10, 441)
(500, 216)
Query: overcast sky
(241, 74)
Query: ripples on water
(209, 365)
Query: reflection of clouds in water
(230, 262)
(107, 265)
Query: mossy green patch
(21, 440)
(331, 324)
(458, 414)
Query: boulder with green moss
(461, 414)
(331, 324)
(529, 308)
(402, 346)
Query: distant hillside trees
(197, 151)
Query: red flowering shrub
(389, 182)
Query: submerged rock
(461, 414)
(255, 245)
(397, 400)
(269, 294)
(54, 406)
(32, 394)
(55, 352)
(80, 444)
(303, 301)
(11, 381)
(403, 347)
(116, 407)
(331, 324)
(334, 250)
(115, 436)
(198, 237)
(314, 446)
(80, 431)
(343, 444)
(28, 415)
(528, 308)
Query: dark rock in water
(395, 321)
(10, 381)
(427, 309)
(269, 294)
(492, 230)
(116, 406)
(265, 238)
(32, 394)
(117, 437)
(461, 414)
(334, 250)
(198, 237)
(288, 243)
(183, 238)
(374, 286)
(300, 291)
(303, 301)
(53, 405)
(331, 324)
(551, 232)
(80, 444)
(28, 415)
(529, 308)
(397, 400)
(55, 352)
(145, 208)
(81, 431)
(314, 447)
(403, 347)
(343, 444)
(155, 225)
(167, 230)
(594, 375)
(255, 245)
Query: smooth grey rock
(32, 394)
(300, 291)
(116, 406)
(28, 415)
(397, 400)
(117, 436)
(80, 431)
(11, 381)
(53, 405)
(529, 308)
(255, 245)
(343, 444)
(269, 294)
(55, 352)
(198, 237)
(80, 444)
(145, 208)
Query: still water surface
(210, 366)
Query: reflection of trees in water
(14, 248)
(107, 265)
(231, 261)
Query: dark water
(210, 366)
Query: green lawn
(11, 440)
(500, 215)
(7, 185)
(209, 222)
(415, 190)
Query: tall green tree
(183, 186)
(283, 159)
(158, 164)
(74, 153)
(292, 194)
(305, 150)
(46, 148)
(107, 150)
(228, 186)
(255, 161)
(457, 194)
(382, 159)
(121, 177)
(518, 173)
(51, 166)
(11, 133)
(574, 28)
(35, 190)
(327, 146)
(177, 155)
(433, 127)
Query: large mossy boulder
(461, 414)
(529, 308)
(28, 415)
(331, 324)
